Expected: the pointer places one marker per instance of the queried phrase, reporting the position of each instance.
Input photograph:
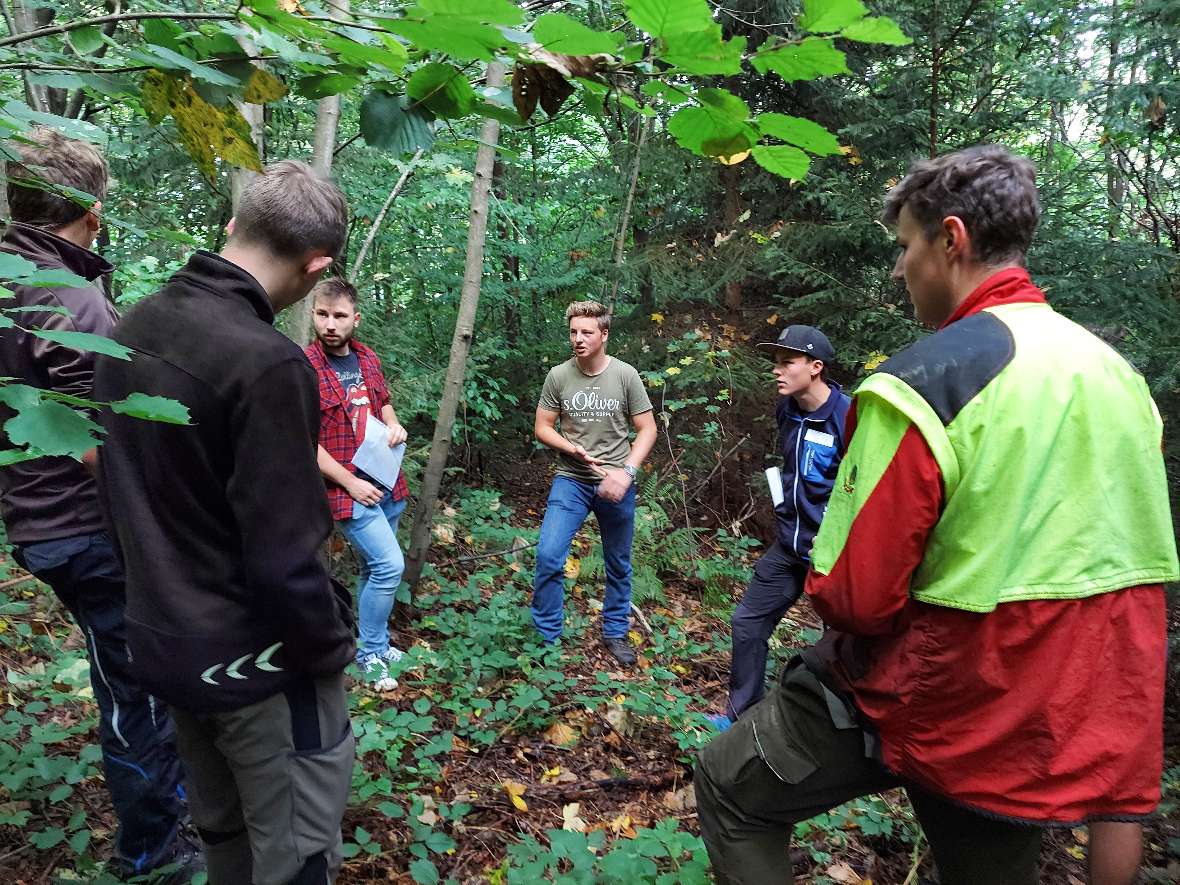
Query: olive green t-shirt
(595, 412)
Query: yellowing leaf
(515, 791)
(875, 359)
(843, 873)
(570, 819)
(621, 826)
(262, 87)
(561, 734)
(634, 636)
(657, 318)
(573, 566)
(733, 159)
(673, 370)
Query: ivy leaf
(782, 159)
(813, 58)
(424, 872)
(560, 33)
(704, 52)
(663, 17)
(443, 89)
(386, 124)
(152, 408)
(48, 838)
(829, 16)
(876, 30)
(800, 132)
(49, 428)
(85, 341)
(86, 40)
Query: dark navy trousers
(143, 772)
(774, 587)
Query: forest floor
(495, 760)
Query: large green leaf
(704, 52)
(782, 159)
(79, 129)
(391, 56)
(829, 16)
(85, 341)
(663, 17)
(387, 125)
(496, 12)
(49, 428)
(86, 40)
(15, 268)
(813, 58)
(152, 408)
(320, 86)
(51, 277)
(460, 38)
(724, 103)
(798, 131)
(708, 133)
(165, 59)
(876, 30)
(665, 92)
(442, 88)
(560, 33)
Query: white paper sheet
(774, 479)
(375, 457)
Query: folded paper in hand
(375, 457)
(774, 478)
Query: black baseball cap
(806, 340)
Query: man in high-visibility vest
(990, 568)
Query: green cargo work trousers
(268, 784)
(799, 753)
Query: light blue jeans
(570, 502)
(372, 531)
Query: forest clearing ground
(495, 760)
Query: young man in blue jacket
(810, 416)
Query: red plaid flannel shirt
(336, 434)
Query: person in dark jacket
(810, 417)
(231, 615)
(50, 505)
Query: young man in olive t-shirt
(596, 397)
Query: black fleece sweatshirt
(219, 523)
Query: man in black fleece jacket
(50, 505)
(231, 616)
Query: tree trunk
(731, 210)
(252, 114)
(323, 146)
(1115, 186)
(372, 235)
(461, 342)
(935, 72)
(644, 126)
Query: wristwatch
(630, 471)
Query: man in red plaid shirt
(352, 385)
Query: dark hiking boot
(621, 649)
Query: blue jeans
(372, 531)
(570, 502)
(138, 740)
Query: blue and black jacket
(811, 444)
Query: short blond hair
(50, 163)
(290, 210)
(590, 309)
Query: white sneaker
(373, 668)
(392, 655)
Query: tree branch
(372, 235)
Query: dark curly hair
(991, 189)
